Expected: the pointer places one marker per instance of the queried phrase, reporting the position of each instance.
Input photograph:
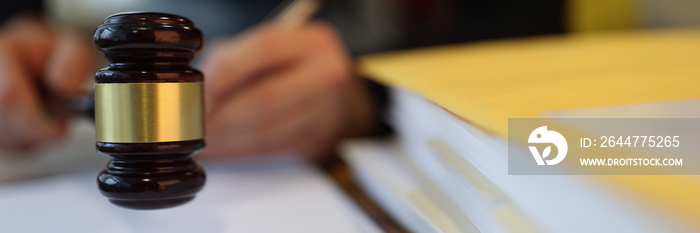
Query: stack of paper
(448, 168)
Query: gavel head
(149, 110)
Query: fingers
(249, 117)
(21, 116)
(61, 58)
(317, 134)
(32, 39)
(272, 91)
(32, 54)
(232, 63)
(69, 65)
(327, 54)
(283, 134)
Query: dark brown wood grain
(149, 48)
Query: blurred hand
(272, 90)
(34, 54)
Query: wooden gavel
(149, 110)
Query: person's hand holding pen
(34, 55)
(283, 86)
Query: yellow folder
(487, 83)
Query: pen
(293, 14)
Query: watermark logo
(542, 135)
(606, 146)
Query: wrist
(367, 103)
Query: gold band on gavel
(149, 112)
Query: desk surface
(281, 195)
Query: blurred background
(372, 26)
(366, 27)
